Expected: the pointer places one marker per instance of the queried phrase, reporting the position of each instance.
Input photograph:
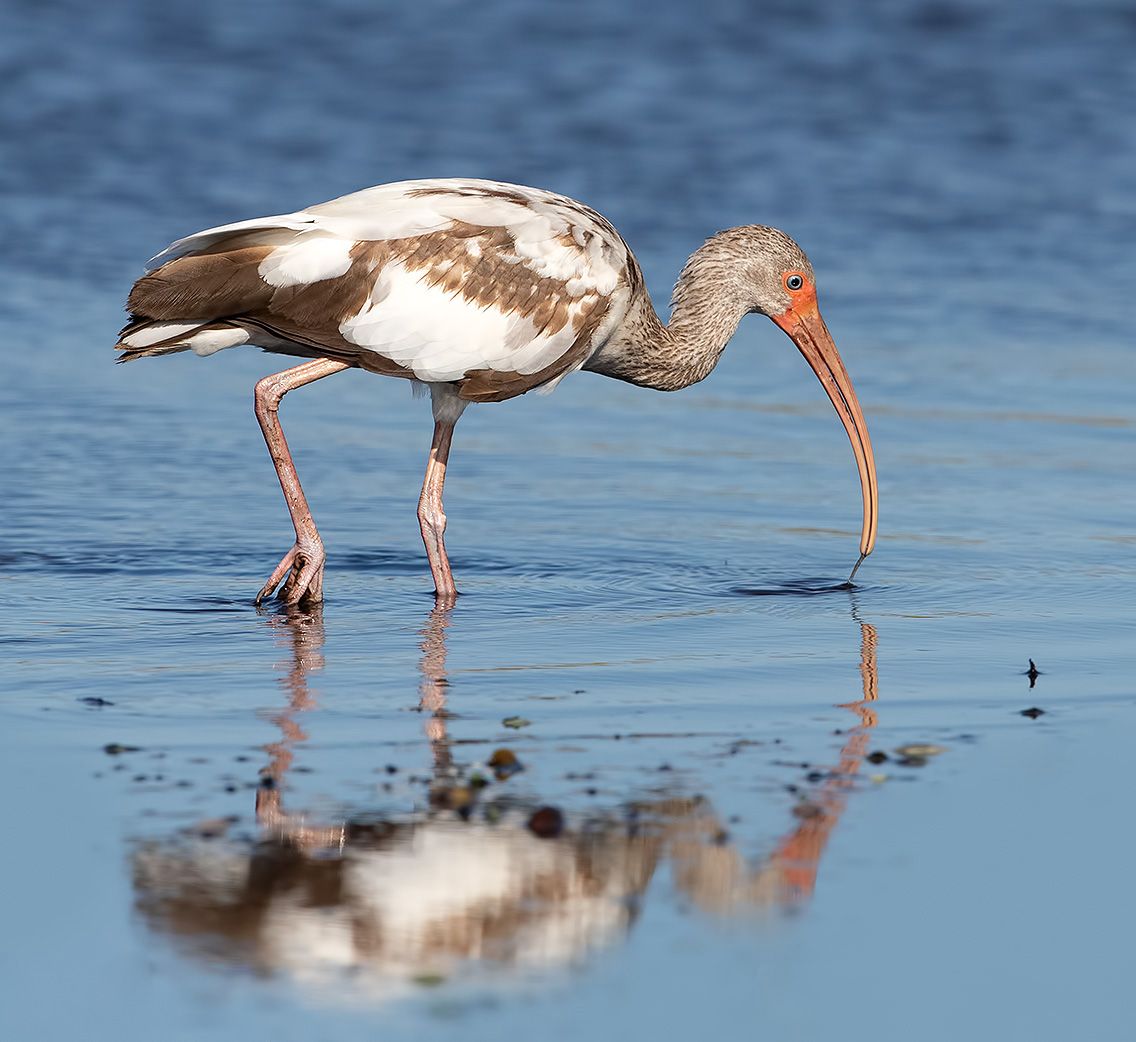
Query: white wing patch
(210, 341)
(441, 336)
(310, 258)
(394, 211)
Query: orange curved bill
(807, 330)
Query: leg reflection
(302, 633)
(433, 685)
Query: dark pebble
(391, 769)
(877, 757)
(546, 822)
(1033, 712)
(504, 763)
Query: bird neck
(670, 356)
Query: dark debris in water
(452, 797)
(923, 749)
(1033, 712)
(916, 754)
(95, 702)
(118, 748)
(504, 763)
(546, 822)
(1033, 673)
(807, 811)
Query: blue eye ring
(794, 282)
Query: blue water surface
(753, 801)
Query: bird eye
(794, 282)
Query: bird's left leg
(303, 564)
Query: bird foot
(303, 566)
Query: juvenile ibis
(481, 291)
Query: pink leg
(431, 516)
(303, 564)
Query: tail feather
(149, 338)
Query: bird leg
(431, 516)
(303, 564)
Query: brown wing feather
(203, 286)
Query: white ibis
(481, 291)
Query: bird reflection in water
(373, 908)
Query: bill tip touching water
(481, 291)
(856, 567)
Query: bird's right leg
(432, 516)
(303, 564)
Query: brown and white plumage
(493, 288)
(478, 289)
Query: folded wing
(493, 287)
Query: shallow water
(653, 585)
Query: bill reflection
(477, 888)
